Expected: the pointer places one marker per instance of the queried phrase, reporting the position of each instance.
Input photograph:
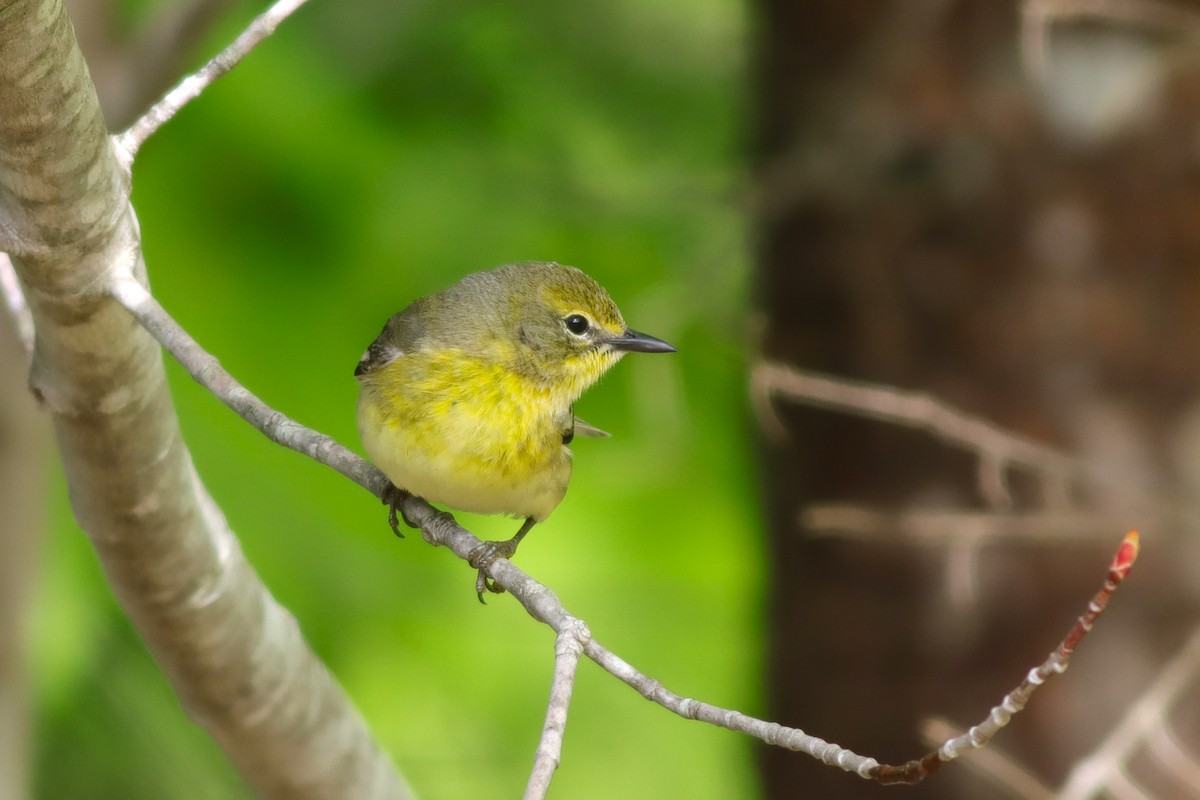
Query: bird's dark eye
(577, 324)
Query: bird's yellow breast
(468, 433)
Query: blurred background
(923, 194)
(366, 155)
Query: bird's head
(563, 328)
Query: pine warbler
(466, 396)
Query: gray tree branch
(568, 646)
(236, 658)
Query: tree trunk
(235, 657)
(928, 221)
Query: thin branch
(995, 447)
(991, 764)
(906, 409)
(834, 755)
(770, 732)
(159, 54)
(440, 529)
(1095, 774)
(208, 372)
(130, 141)
(961, 532)
(911, 410)
(14, 300)
(131, 69)
(567, 647)
(1000, 715)
(947, 526)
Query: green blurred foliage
(365, 155)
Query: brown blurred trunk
(921, 225)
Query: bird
(466, 398)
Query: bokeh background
(367, 154)
(992, 202)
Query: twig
(998, 769)
(770, 732)
(1094, 774)
(834, 755)
(567, 646)
(978, 736)
(865, 767)
(130, 141)
(144, 67)
(14, 300)
(995, 447)
(944, 526)
(439, 528)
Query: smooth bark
(235, 657)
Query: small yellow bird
(466, 396)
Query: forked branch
(439, 528)
(997, 450)
(129, 142)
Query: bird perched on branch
(466, 396)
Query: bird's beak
(633, 342)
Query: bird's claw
(393, 497)
(483, 557)
(485, 584)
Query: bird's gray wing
(399, 336)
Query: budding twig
(1056, 664)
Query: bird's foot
(483, 557)
(393, 497)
